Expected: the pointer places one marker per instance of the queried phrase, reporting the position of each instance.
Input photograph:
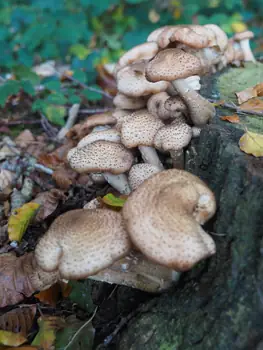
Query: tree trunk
(219, 304)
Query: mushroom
(82, 242)
(138, 131)
(176, 107)
(131, 81)
(110, 135)
(167, 230)
(155, 105)
(173, 138)
(111, 158)
(122, 101)
(175, 65)
(243, 39)
(140, 172)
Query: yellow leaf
(46, 336)
(11, 339)
(177, 13)
(252, 143)
(254, 104)
(238, 27)
(20, 219)
(113, 201)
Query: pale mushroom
(243, 39)
(156, 106)
(175, 65)
(164, 215)
(138, 131)
(82, 242)
(110, 135)
(122, 101)
(111, 158)
(140, 172)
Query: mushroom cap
(82, 242)
(172, 64)
(153, 36)
(143, 51)
(96, 120)
(110, 135)
(121, 115)
(176, 105)
(140, 172)
(100, 156)
(156, 103)
(221, 38)
(163, 217)
(122, 101)
(243, 35)
(131, 81)
(139, 129)
(173, 137)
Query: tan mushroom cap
(153, 36)
(122, 101)
(163, 217)
(156, 105)
(140, 172)
(243, 35)
(139, 129)
(221, 39)
(175, 105)
(100, 156)
(131, 81)
(110, 135)
(172, 64)
(99, 119)
(143, 51)
(82, 242)
(121, 115)
(173, 137)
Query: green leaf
(80, 76)
(52, 85)
(27, 87)
(80, 51)
(56, 98)
(91, 95)
(23, 72)
(83, 339)
(55, 114)
(81, 295)
(72, 99)
(113, 201)
(11, 87)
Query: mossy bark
(219, 304)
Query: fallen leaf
(46, 336)
(218, 103)
(11, 339)
(259, 89)
(231, 118)
(248, 93)
(20, 278)
(25, 138)
(50, 160)
(106, 80)
(6, 179)
(50, 296)
(64, 177)
(6, 152)
(254, 104)
(20, 219)
(252, 143)
(26, 347)
(19, 320)
(65, 288)
(113, 201)
(48, 202)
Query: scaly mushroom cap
(121, 115)
(110, 135)
(163, 217)
(140, 172)
(100, 156)
(131, 81)
(175, 105)
(139, 129)
(144, 51)
(156, 105)
(82, 242)
(122, 101)
(173, 137)
(172, 64)
(99, 119)
(243, 35)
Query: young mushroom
(175, 65)
(156, 106)
(168, 229)
(138, 131)
(243, 39)
(110, 158)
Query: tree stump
(219, 304)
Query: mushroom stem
(177, 158)
(149, 155)
(119, 182)
(201, 110)
(245, 46)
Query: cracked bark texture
(219, 304)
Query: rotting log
(219, 304)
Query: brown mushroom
(122, 101)
(140, 172)
(82, 242)
(163, 217)
(155, 105)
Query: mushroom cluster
(156, 236)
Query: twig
(85, 86)
(43, 168)
(49, 129)
(72, 117)
(18, 122)
(95, 110)
(237, 109)
(80, 329)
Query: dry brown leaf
(62, 151)
(251, 92)
(64, 177)
(25, 138)
(49, 201)
(19, 320)
(50, 296)
(231, 118)
(6, 179)
(20, 278)
(255, 104)
(106, 80)
(50, 160)
(259, 89)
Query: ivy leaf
(79, 50)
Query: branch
(72, 117)
(95, 110)
(237, 109)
